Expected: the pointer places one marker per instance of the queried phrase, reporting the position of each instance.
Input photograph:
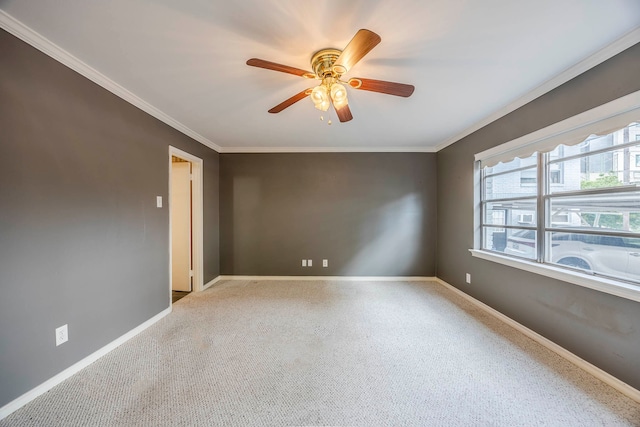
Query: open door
(186, 259)
(181, 245)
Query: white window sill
(609, 286)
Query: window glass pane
(522, 243)
(510, 241)
(634, 222)
(494, 238)
(619, 211)
(613, 256)
(520, 212)
(604, 170)
(516, 163)
(512, 184)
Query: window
(555, 176)
(589, 222)
(565, 201)
(525, 218)
(505, 191)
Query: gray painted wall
(600, 328)
(81, 241)
(369, 214)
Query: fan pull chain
(328, 121)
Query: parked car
(609, 255)
(522, 243)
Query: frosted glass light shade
(338, 95)
(320, 98)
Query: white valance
(601, 120)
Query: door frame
(197, 231)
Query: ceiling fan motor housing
(322, 63)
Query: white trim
(623, 43)
(609, 286)
(614, 109)
(343, 278)
(77, 367)
(212, 282)
(603, 376)
(26, 34)
(329, 150)
(197, 228)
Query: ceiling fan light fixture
(320, 97)
(339, 95)
(329, 65)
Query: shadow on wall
(390, 240)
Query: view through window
(577, 206)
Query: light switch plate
(158, 201)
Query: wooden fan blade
(289, 102)
(390, 88)
(344, 114)
(358, 47)
(261, 63)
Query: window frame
(617, 111)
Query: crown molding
(26, 34)
(623, 43)
(228, 150)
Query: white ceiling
(184, 61)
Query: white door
(181, 226)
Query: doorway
(185, 224)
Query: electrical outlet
(309, 263)
(468, 278)
(62, 335)
(304, 262)
(325, 263)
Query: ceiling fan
(328, 66)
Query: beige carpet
(253, 353)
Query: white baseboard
(603, 376)
(211, 282)
(343, 278)
(52, 382)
